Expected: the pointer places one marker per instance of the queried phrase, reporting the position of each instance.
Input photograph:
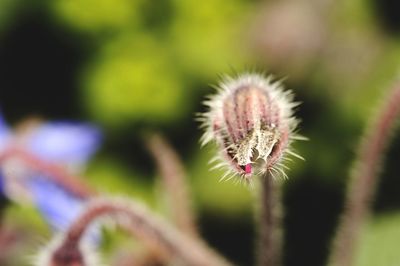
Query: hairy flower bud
(250, 119)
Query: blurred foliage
(110, 177)
(7, 8)
(133, 80)
(207, 36)
(137, 74)
(379, 241)
(98, 16)
(148, 64)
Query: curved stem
(270, 235)
(137, 258)
(174, 182)
(158, 235)
(363, 180)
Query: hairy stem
(137, 258)
(363, 180)
(158, 235)
(270, 235)
(174, 182)
(54, 172)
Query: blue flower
(58, 206)
(64, 142)
(5, 134)
(4, 137)
(1, 184)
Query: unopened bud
(250, 119)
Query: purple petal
(64, 142)
(2, 192)
(4, 138)
(5, 133)
(59, 207)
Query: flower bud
(250, 119)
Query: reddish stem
(158, 235)
(54, 172)
(174, 182)
(270, 234)
(363, 180)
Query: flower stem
(157, 234)
(174, 182)
(270, 235)
(54, 172)
(363, 180)
(137, 258)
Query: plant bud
(250, 119)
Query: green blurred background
(136, 66)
